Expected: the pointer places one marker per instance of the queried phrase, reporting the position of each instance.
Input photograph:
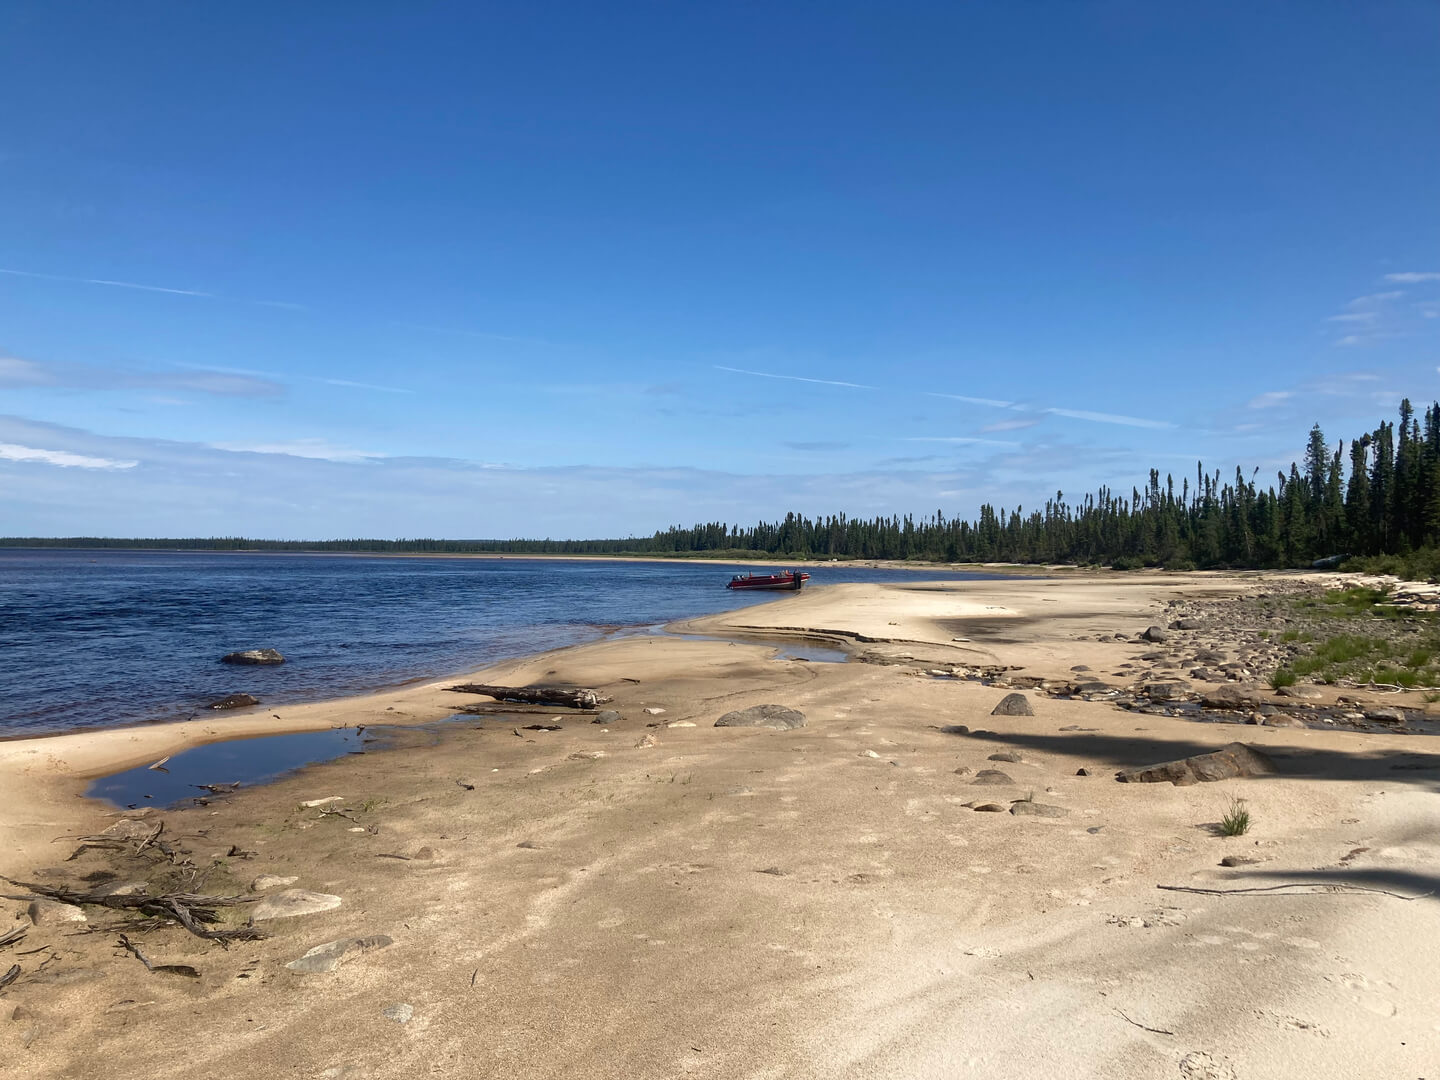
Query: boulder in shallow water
(253, 656)
(777, 717)
(234, 701)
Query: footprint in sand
(1292, 1023)
(1369, 995)
(1199, 1065)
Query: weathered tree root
(196, 913)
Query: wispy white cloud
(62, 458)
(960, 440)
(794, 378)
(111, 283)
(106, 281)
(1018, 423)
(1355, 317)
(1413, 277)
(318, 449)
(17, 373)
(1110, 418)
(992, 403)
(1270, 399)
(1371, 299)
(360, 385)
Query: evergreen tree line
(1379, 498)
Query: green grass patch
(1236, 821)
(1365, 659)
(1282, 677)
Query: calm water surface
(102, 638)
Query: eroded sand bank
(641, 899)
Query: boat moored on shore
(791, 580)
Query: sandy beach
(655, 896)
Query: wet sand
(646, 898)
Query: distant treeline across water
(1378, 498)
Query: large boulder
(1156, 634)
(1013, 705)
(253, 656)
(1228, 762)
(777, 717)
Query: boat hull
(771, 583)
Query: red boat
(792, 580)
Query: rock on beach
(777, 717)
(1228, 762)
(1013, 705)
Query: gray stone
(607, 717)
(129, 829)
(1165, 691)
(234, 701)
(1188, 624)
(955, 729)
(1237, 860)
(1007, 755)
(1283, 720)
(327, 957)
(1156, 634)
(1228, 762)
(991, 777)
(777, 717)
(271, 881)
(1082, 772)
(253, 656)
(53, 913)
(1027, 808)
(1226, 697)
(292, 902)
(988, 808)
(399, 1012)
(1385, 716)
(1013, 705)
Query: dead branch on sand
(195, 912)
(1321, 886)
(172, 969)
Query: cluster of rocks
(1210, 660)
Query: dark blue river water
(100, 638)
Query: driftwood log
(194, 912)
(556, 696)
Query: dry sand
(650, 900)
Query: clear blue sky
(314, 270)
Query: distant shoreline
(1010, 569)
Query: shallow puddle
(245, 762)
(220, 767)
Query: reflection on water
(246, 762)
